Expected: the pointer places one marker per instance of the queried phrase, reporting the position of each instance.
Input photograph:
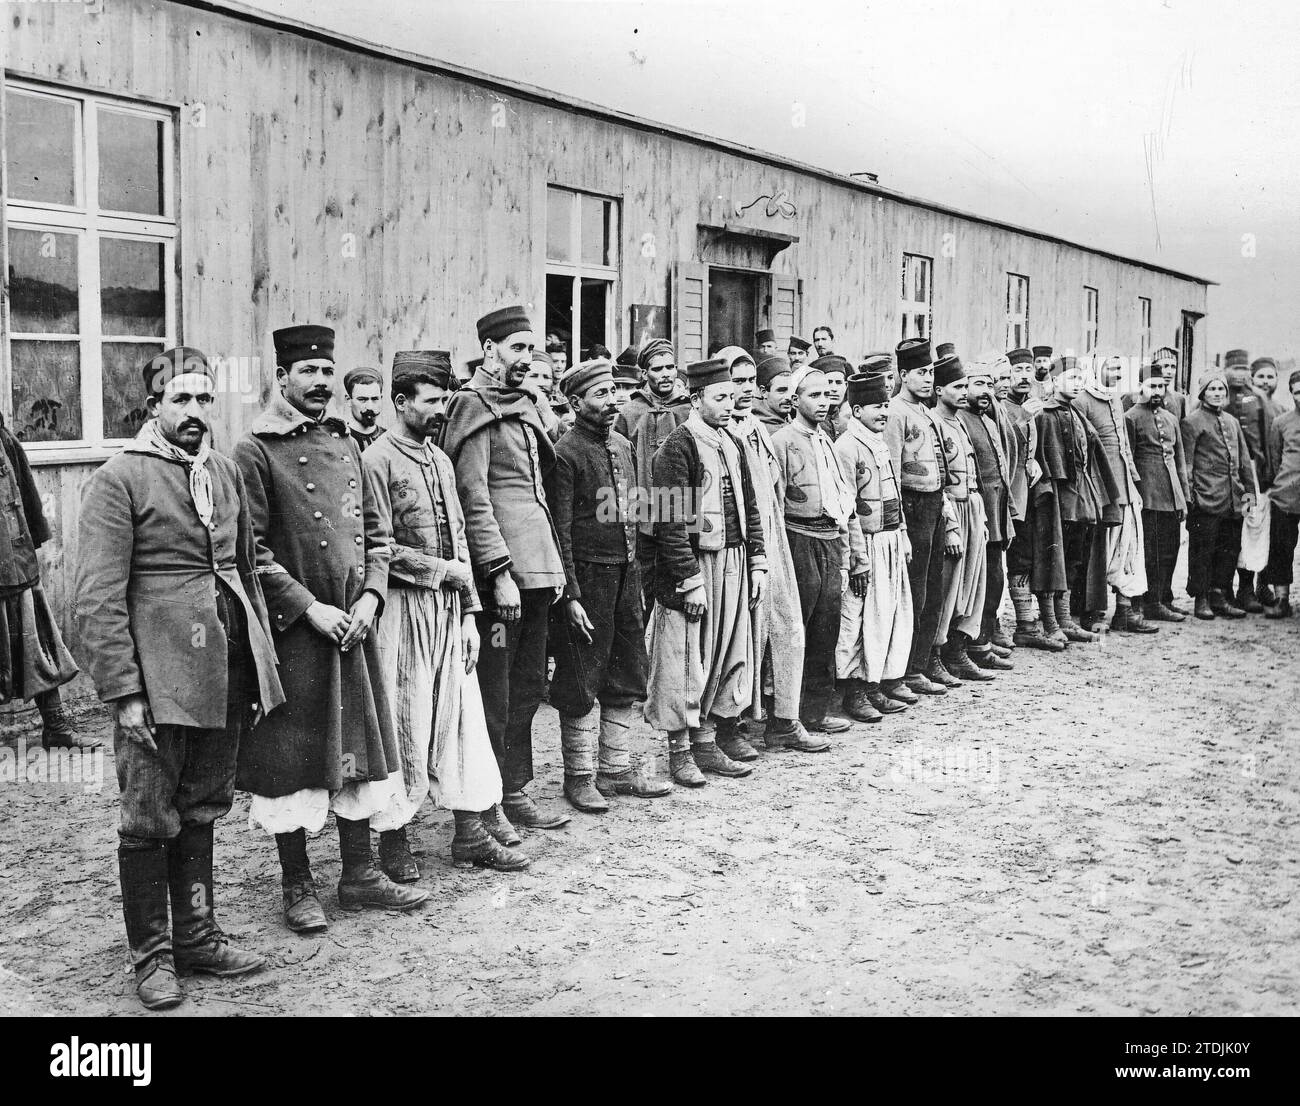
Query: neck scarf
(150, 440)
(716, 449)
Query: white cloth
(150, 440)
(876, 629)
(306, 809)
(966, 578)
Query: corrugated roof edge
(569, 103)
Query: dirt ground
(1114, 830)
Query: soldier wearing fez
(174, 631)
(598, 633)
(322, 559)
(502, 455)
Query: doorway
(734, 307)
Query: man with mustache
(1116, 558)
(836, 371)
(765, 342)
(364, 388)
(774, 400)
(1156, 443)
(597, 630)
(651, 413)
(1263, 378)
(428, 638)
(322, 559)
(797, 351)
(777, 622)
(824, 341)
(1218, 462)
(174, 631)
(1165, 364)
(710, 573)
(502, 456)
(915, 442)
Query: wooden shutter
(690, 311)
(786, 307)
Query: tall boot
(1029, 634)
(142, 869)
(362, 884)
(200, 944)
(303, 912)
(578, 737)
(57, 731)
(1072, 630)
(681, 765)
(474, 845)
(1047, 610)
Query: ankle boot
(877, 698)
(1202, 610)
(1247, 601)
(898, 691)
(733, 743)
(1051, 628)
(200, 945)
(957, 661)
(636, 782)
(709, 758)
(1281, 605)
(473, 845)
(362, 884)
(857, 703)
(582, 794)
(395, 856)
(494, 820)
(303, 912)
(681, 765)
(938, 673)
(1220, 606)
(1129, 620)
(1158, 612)
(522, 811)
(57, 731)
(989, 658)
(142, 869)
(1065, 620)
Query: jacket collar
(280, 418)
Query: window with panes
(1091, 318)
(90, 249)
(918, 295)
(1017, 311)
(581, 269)
(1144, 327)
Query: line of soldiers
(742, 551)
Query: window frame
(1144, 329)
(90, 225)
(1019, 322)
(579, 270)
(910, 309)
(1091, 318)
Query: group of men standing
(749, 549)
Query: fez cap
(703, 373)
(947, 370)
(1042, 351)
(831, 363)
(652, 348)
(876, 363)
(303, 343)
(1021, 356)
(945, 349)
(585, 375)
(764, 336)
(162, 368)
(913, 353)
(433, 363)
(799, 343)
(866, 389)
(769, 367)
(1236, 359)
(1260, 362)
(361, 375)
(502, 323)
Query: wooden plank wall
(317, 184)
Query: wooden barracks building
(201, 172)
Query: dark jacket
(1156, 441)
(319, 538)
(646, 423)
(1255, 415)
(1219, 462)
(146, 589)
(678, 468)
(988, 440)
(588, 493)
(26, 529)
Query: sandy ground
(1114, 830)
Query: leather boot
(303, 912)
(1220, 605)
(1169, 604)
(989, 659)
(709, 758)
(473, 845)
(1002, 639)
(1093, 622)
(1281, 605)
(395, 856)
(732, 742)
(582, 794)
(498, 825)
(1247, 601)
(938, 673)
(1158, 612)
(362, 884)
(1051, 628)
(200, 945)
(57, 731)
(681, 765)
(522, 811)
(1129, 620)
(882, 702)
(920, 684)
(142, 869)
(633, 781)
(1203, 610)
(898, 691)
(997, 650)
(1064, 619)
(857, 703)
(958, 663)
(789, 733)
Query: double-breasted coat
(319, 537)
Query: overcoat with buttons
(320, 538)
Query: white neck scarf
(151, 440)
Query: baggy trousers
(818, 571)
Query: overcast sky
(1160, 129)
